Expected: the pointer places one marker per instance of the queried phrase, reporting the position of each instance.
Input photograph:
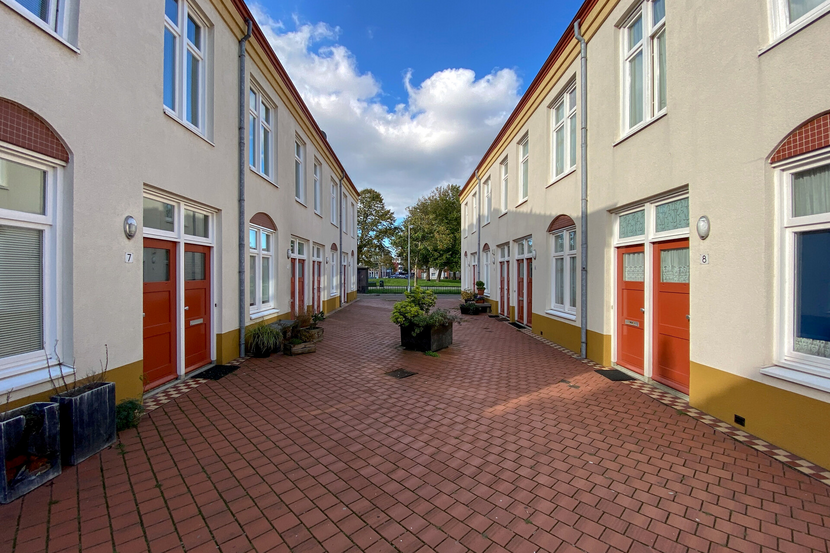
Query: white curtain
(811, 192)
(674, 265)
(634, 267)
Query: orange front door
(529, 294)
(520, 292)
(159, 312)
(631, 307)
(671, 314)
(504, 303)
(197, 308)
(316, 289)
(294, 286)
(301, 286)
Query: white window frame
(27, 369)
(567, 100)
(333, 288)
(354, 217)
(485, 271)
(61, 21)
(299, 160)
(257, 307)
(465, 222)
(505, 186)
(651, 30)
(781, 27)
(183, 46)
(808, 370)
(343, 215)
(318, 192)
(488, 201)
(568, 256)
(333, 202)
(475, 212)
(524, 168)
(260, 128)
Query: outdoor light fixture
(703, 227)
(130, 227)
(288, 253)
(534, 254)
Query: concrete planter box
(87, 416)
(299, 349)
(431, 338)
(30, 449)
(316, 334)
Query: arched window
(485, 268)
(262, 274)
(563, 267)
(31, 194)
(333, 271)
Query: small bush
(467, 295)
(295, 341)
(431, 353)
(128, 414)
(262, 338)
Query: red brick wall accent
(263, 220)
(811, 136)
(23, 128)
(561, 221)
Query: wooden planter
(87, 416)
(30, 449)
(299, 349)
(431, 338)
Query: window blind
(21, 290)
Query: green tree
(375, 226)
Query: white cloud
(435, 138)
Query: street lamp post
(408, 255)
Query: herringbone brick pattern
(500, 444)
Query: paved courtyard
(485, 449)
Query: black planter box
(30, 449)
(431, 338)
(87, 417)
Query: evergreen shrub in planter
(423, 329)
(30, 449)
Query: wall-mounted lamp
(288, 253)
(130, 227)
(703, 227)
(534, 254)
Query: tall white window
(488, 202)
(185, 35)
(524, 152)
(260, 142)
(333, 274)
(354, 220)
(28, 258)
(504, 186)
(563, 123)
(333, 202)
(344, 221)
(564, 272)
(474, 222)
(644, 64)
(465, 221)
(299, 171)
(485, 271)
(805, 303)
(261, 274)
(318, 171)
(791, 15)
(59, 16)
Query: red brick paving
(484, 450)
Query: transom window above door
(657, 220)
(165, 218)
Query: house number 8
(704, 259)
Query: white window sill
(334, 225)
(567, 173)
(521, 203)
(638, 128)
(172, 115)
(264, 313)
(561, 314)
(796, 28)
(33, 374)
(485, 224)
(263, 176)
(503, 214)
(299, 201)
(40, 23)
(317, 213)
(798, 377)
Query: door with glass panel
(301, 286)
(529, 294)
(196, 306)
(504, 284)
(631, 263)
(159, 312)
(671, 314)
(520, 290)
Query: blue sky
(411, 95)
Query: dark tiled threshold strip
(682, 404)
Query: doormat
(216, 372)
(517, 325)
(615, 375)
(400, 373)
(494, 316)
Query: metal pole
(408, 256)
(242, 168)
(583, 170)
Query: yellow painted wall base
(791, 421)
(227, 344)
(331, 304)
(127, 385)
(512, 313)
(569, 336)
(351, 296)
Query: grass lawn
(421, 282)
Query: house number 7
(128, 257)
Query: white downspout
(583, 170)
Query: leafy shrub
(479, 284)
(467, 295)
(469, 309)
(415, 312)
(128, 414)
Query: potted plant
(296, 346)
(480, 287)
(468, 296)
(422, 328)
(87, 412)
(30, 448)
(469, 309)
(262, 340)
(313, 333)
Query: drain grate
(400, 373)
(615, 375)
(216, 372)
